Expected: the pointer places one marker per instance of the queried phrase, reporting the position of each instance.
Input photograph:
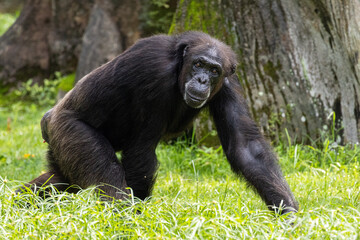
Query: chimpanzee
(152, 90)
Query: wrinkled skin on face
(203, 74)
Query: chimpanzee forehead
(213, 52)
(209, 50)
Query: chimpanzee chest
(183, 121)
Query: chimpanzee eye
(198, 64)
(215, 71)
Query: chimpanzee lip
(196, 98)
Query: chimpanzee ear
(232, 69)
(185, 50)
(181, 49)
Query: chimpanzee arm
(246, 150)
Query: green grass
(6, 20)
(196, 195)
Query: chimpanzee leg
(53, 178)
(140, 167)
(85, 157)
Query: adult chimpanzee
(155, 88)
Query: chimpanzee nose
(202, 80)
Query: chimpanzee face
(202, 75)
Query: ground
(196, 194)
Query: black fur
(154, 89)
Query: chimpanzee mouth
(197, 98)
(195, 102)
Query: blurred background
(298, 60)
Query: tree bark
(298, 60)
(49, 36)
(111, 29)
(45, 38)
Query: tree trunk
(298, 60)
(112, 27)
(49, 36)
(45, 38)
